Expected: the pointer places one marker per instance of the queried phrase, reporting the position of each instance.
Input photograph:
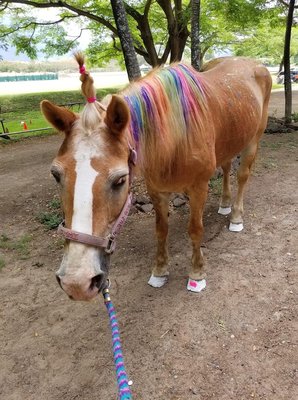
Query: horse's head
(92, 172)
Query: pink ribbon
(82, 69)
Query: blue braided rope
(124, 392)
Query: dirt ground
(237, 340)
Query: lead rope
(124, 392)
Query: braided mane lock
(91, 114)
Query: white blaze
(82, 217)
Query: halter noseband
(108, 243)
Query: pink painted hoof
(196, 286)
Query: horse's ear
(60, 117)
(117, 116)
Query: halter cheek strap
(109, 242)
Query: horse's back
(236, 71)
(239, 96)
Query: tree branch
(167, 50)
(133, 12)
(147, 8)
(62, 4)
(32, 34)
(76, 37)
(145, 33)
(35, 24)
(115, 43)
(286, 4)
(78, 12)
(4, 8)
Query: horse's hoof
(235, 227)
(196, 286)
(224, 210)
(158, 281)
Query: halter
(108, 243)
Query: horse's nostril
(97, 281)
(58, 280)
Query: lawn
(15, 109)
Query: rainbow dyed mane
(165, 106)
(174, 95)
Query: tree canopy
(160, 28)
(266, 39)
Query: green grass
(50, 219)
(2, 263)
(33, 119)
(26, 107)
(272, 145)
(21, 245)
(277, 86)
(3, 239)
(53, 217)
(215, 185)
(55, 204)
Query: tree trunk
(195, 34)
(287, 65)
(281, 64)
(130, 58)
(182, 31)
(177, 29)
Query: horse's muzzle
(83, 289)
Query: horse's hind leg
(160, 271)
(226, 197)
(247, 158)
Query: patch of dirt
(237, 340)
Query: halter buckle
(111, 244)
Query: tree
(287, 64)
(267, 43)
(266, 39)
(195, 34)
(160, 29)
(98, 17)
(131, 62)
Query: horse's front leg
(160, 270)
(197, 199)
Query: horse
(181, 124)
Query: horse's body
(183, 124)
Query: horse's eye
(119, 182)
(56, 174)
